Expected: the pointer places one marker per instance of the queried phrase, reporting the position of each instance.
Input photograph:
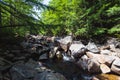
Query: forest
(59, 39)
(82, 18)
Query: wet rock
(56, 39)
(59, 55)
(21, 70)
(25, 44)
(68, 58)
(116, 66)
(32, 50)
(104, 68)
(4, 64)
(15, 51)
(53, 52)
(83, 62)
(43, 53)
(92, 47)
(77, 50)
(93, 66)
(0, 76)
(43, 56)
(49, 76)
(86, 77)
(69, 69)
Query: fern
(99, 31)
(81, 31)
(115, 10)
(115, 29)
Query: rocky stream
(60, 58)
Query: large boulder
(116, 66)
(21, 70)
(77, 50)
(83, 62)
(65, 42)
(4, 64)
(109, 60)
(102, 58)
(98, 57)
(93, 66)
(92, 47)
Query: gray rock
(77, 50)
(68, 58)
(102, 58)
(56, 39)
(117, 52)
(116, 66)
(43, 56)
(53, 52)
(92, 47)
(109, 60)
(83, 62)
(66, 40)
(21, 70)
(65, 43)
(112, 47)
(93, 66)
(48, 75)
(1, 76)
(104, 68)
(105, 52)
(4, 64)
(113, 41)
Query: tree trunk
(0, 17)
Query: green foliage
(64, 16)
(17, 16)
(115, 10)
(115, 29)
(81, 32)
(99, 31)
(84, 17)
(80, 17)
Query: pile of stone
(40, 55)
(95, 58)
(38, 46)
